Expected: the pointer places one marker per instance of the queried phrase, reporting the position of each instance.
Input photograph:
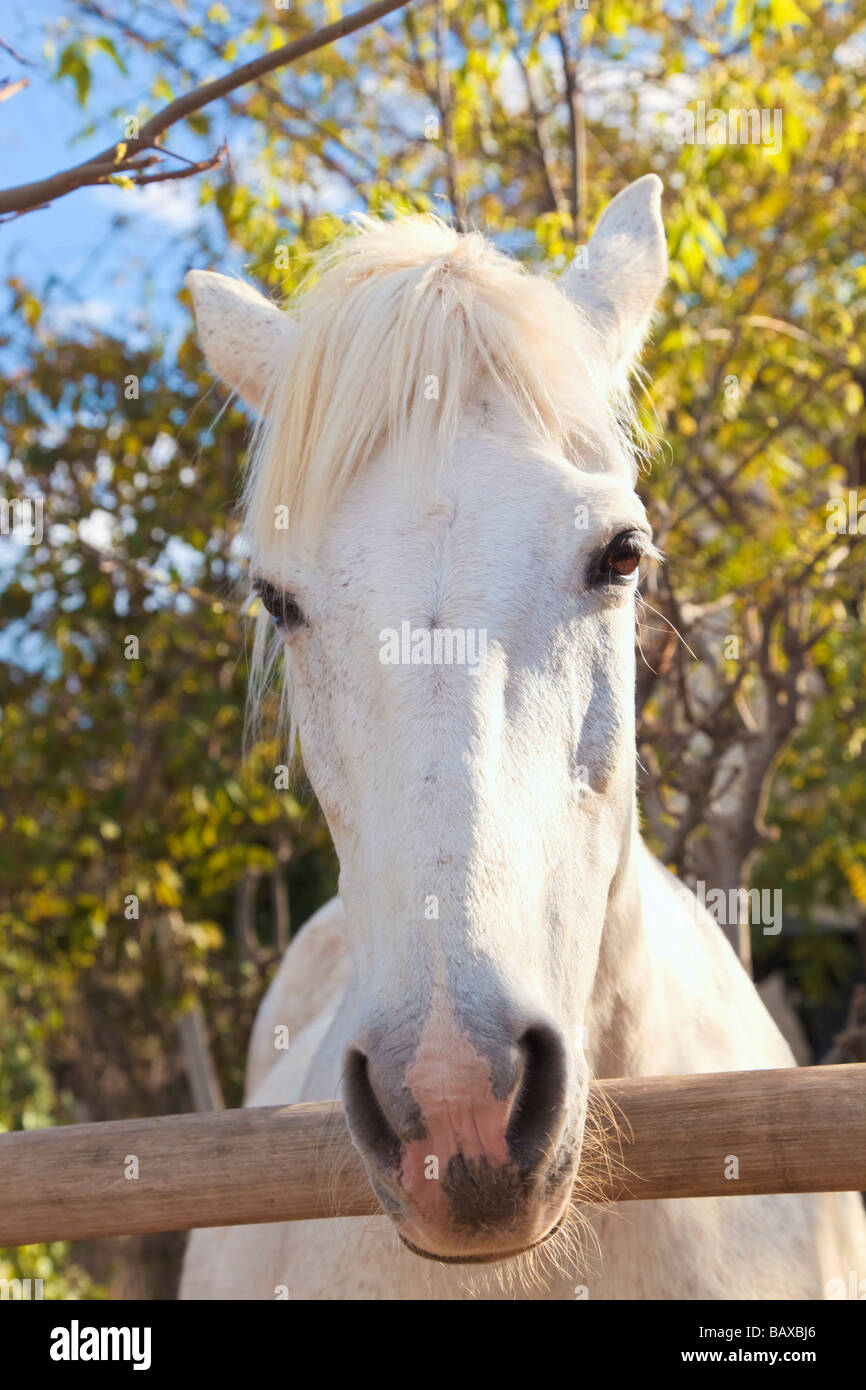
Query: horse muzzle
(467, 1170)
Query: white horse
(444, 528)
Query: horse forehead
(490, 518)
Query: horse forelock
(406, 324)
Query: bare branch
(10, 89)
(190, 168)
(13, 53)
(439, 93)
(542, 139)
(445, 95)
(577, 123)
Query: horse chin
(483, 1258)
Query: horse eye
(281, 606)
(621, 559)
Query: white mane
(397, 311)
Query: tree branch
(445, 103)
(7, 48)
(577, 125)
(542, 139)
(27, 197)
(212, 162)
(11, 89)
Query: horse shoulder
(313, 971)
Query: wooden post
(671, 1136)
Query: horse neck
(622, 1026)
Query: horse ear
(617, 278)
(240, 331)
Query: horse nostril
(536, 1118)
(368, 1122)
(385, 1117)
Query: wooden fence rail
(789, 1131)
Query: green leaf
(73, 63)
(107, 46)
